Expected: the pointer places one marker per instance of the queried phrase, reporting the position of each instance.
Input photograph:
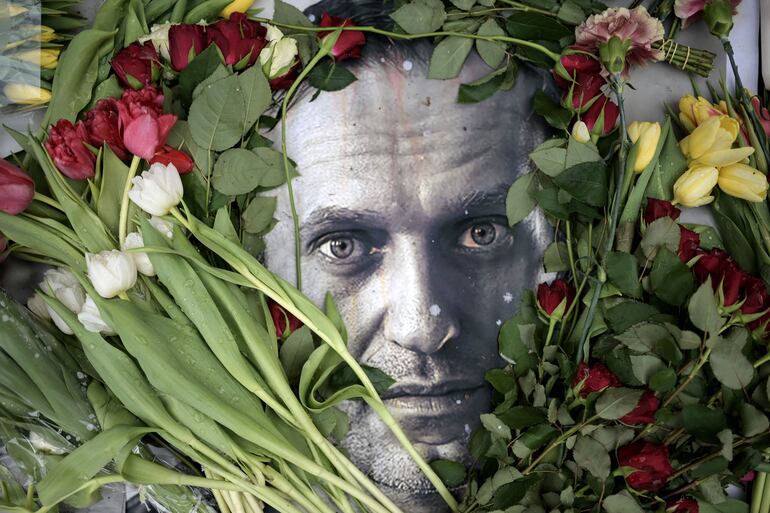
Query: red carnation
(103, 127)
(651, 462)
(185, 41)
(657, 209)
(168, 155)
(16, 189)
(644, 413)
(65, 145)
(136, 65)
(549, 297)
(689, 244)
(594, 379)
(350, 42)
(683, 505)
(239, 38)
(143, 125)
(281, 318)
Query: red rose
(644, 413)
(602, 116)
(757, 298)
(239, 38)
(549, 297)
(732, 285)
(594, 379)
(579, 76)
(657, 209)
(689, 244)
(683, 505)
(103, 127)
(16, 189)
(348, 45)
(281, 318)
(712, 263)
(65, 145)
(651, 462)
(168, 155)
(143, 125)
(185, 41)
(762, 115)
(286, 80)
(136, 65)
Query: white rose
(163, 226)
(111, 272)
(37, 306)
(158, 36)
(278, 56)
(134, 240)
(64, 286)
(91, 319)
(157, 190)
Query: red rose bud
(683, 505)
(712, 263)
(137, 65)
(103, 127)
(286, 80)
(689, 244)
(281, 318)
(238, 38)
(601, 117)
(732, 285)
(16, 189)
(65, 145)
(594, 379)
(142, 122)
(652, 464)
(185, 41)
(657, 209)
(350, 42)
(757, 298)
(644, 413)
(762, 115)
(550, 297)
(572, 65)
(168, 155)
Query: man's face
(401, 199)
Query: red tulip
(282, 319)
(652, 464)
(143, 125)
(137, 65)
(656, 209)
(238, 38)
(65, 145)
(350, 42)
(594, 379)
(103, 127)
(16, 189)
(549, 297)
(168, 155)
(644, 413)
(185, 41)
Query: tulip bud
(64, 286)
(235, 6)
(742, 181)
(163, 226)
(613, 53)
(111, 272)
(26, 94)
(91, 319)
(17, 190)
(580, 132)
(157, 190)
(646, 136)
(37, 306)
(694, 187)
(135, 240)
(46, 58)
(719, 17)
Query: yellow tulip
(47, 34)
(710, 144)
(580, 132)
(645, 135)
(695, 111)
(694, 187)
(742, 181)
(235, 6)
(14, 10)
(46, 58)
(26, 94)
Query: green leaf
(730, 365)
(271, 162)
(290, 15)
(753, 421)
(463, 4)
(491, 52)
(199, 68)
(256, 94)
(550, 161)
(592, 456)
(217, 116)
(114, 174)
(644, 366)
(345, 377)
(448, 57)
(703, 422)
(587, 182)
(205, 10)
(704, 311)
(295, 351)
(237, 171)
(614, 403)
(495, 426)
(487, 86)
(556, 115)
(579, 153)
(571, 13)
(451, 473)
(556, 258)
(512, 493)
(520, 417)
(663, 380)
(516, 345)
(533, 26)
(420, 16)
(259, 214)
(623, 272)
(621, 503)
(332, 422)
(663, 232)
(327, 76)
(519, 202)
(670, 279)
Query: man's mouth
(454, 396)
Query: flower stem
(42, 198)
(123, 223)
(758, 492)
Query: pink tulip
(16, 189)
(144, 126)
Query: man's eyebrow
(476, 199)
(336, 214)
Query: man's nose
(418, 316)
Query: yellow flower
(694, 111)
(694, 187)
(743, 182)
(580, 132)
(46, 35)
(645, 135)
(46, 58)
(235, 6)
(15, 10)
(25, 94)
(710, 144)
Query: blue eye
(338, 248)
(483, 234)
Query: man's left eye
(483, 234)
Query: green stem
(123, 226)
(556, 443)
(701, 362)
(758, 492)
(42, 198)
(762, 361)
(526, 8)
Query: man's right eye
(341, 247)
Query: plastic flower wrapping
(159, 351)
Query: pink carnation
(635, 25)
(690, 11)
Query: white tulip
(64, 286)
(159, 37)
(111, 272)
(162, 226)
(91, 319)
(37, 306)
(134, 240)
(157, 190)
